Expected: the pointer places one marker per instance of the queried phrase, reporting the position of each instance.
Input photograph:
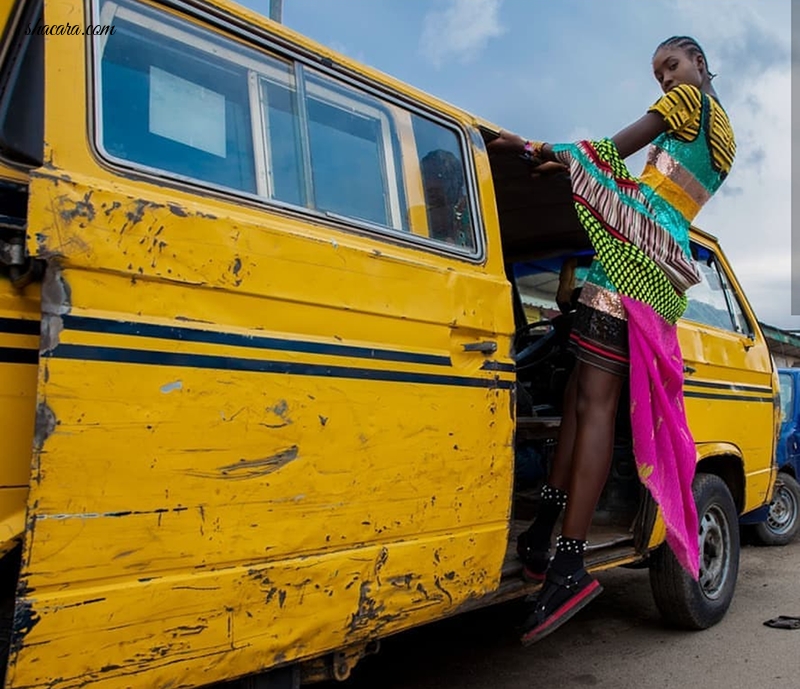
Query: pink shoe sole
(533, 577)
(568, 610)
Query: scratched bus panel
(245, 455)
(260, 334)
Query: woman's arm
(637, 135)
(629, 140)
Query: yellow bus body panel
(731, 394)
(19, 318)
(244, 456)
(19, 340)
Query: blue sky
(561, 71)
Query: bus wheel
(783, 522)
(701, 604)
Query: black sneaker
(534, 562)
(559, 600)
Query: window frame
(390, 166)
(731, 297)
(298, 61)
(729, 294)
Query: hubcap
(715, 551)
(782, 511)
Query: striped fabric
(682, 109)
(640, 232)
(687, 163)
(662, 162)
(619, 206)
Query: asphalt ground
(619, 641)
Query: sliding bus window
(177, 100)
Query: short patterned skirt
(599, 334)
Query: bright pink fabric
(665, 452)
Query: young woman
(625, 322)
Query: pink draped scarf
(665, 452)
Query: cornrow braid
(690, 45)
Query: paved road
(617, 642)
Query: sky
(573, 69)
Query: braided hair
(689, 45)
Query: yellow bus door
(275, 394)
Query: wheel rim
(782, 510)
(715, 551)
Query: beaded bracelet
(533, 150)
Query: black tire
(700, 604)
(783, 522)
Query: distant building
(784, 346)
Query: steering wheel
(531, 352)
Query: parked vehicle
(782, 521)
(266, 367)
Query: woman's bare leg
(567, 586)
(562, 460)
(597, 397)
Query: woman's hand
(550, 168)
(507, 142)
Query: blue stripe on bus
(169, 332)
(207, 361)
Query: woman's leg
(562, 460)
(568, 587)
(598, 393)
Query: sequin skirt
(599, 334)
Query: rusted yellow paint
(208, 521)
(706, 450)
(17, 407)
(245, 456)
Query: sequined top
(688, 163)
(639, 227)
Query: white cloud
(749, 45)
(754, 226)
(725, 19)
(460, 30)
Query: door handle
(487, 347)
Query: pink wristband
(533, 150)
